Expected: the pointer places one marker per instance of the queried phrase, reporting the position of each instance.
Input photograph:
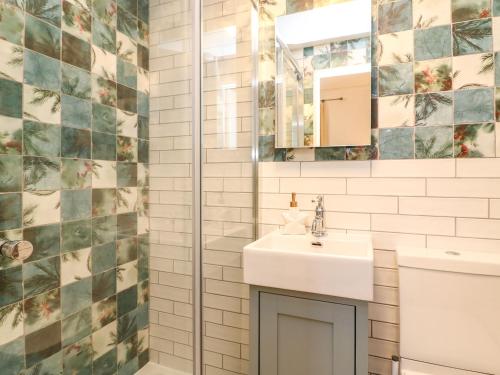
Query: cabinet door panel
(305, 337)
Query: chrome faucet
(318, 224)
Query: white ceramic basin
(342, 267)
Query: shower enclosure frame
(197, 163)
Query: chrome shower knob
(17, 249)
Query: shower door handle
(16, 249)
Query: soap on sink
(295, 220)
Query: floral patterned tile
(78, 357)
(104, 175)
(434, 142)
(11, 176)
(126, 250)
(127, 48)
(496, 8)
(127, 23)
(103, 286)
(75, 112)
(428, 13)
(433, 43)
(475, 140)
(51, 365)
(76, 143)
(471, 71)
(103, 35)
(41, 139)
(75, 82)
(126, 275)
(41, 71)
(103, 146)
(126, 174)
(75, 266)
(45, 240)
(11, 356)
(75, 235)
(473, 106)
(46, 10)
(127, 301)
(103, 230)
(395, 48)
(11, 286)
(434, 108)
(105, 11)
(143, 83)
(126, 123)
(76, 327)
(103, 257)
(395, 16)
(11, 213)
(472, 37)
(103, 118)
(11, 98)
(104, 340)
(103, 202)
(11, 61)
(12, 26)
(41, 276)
(395, 111)
(76, 20)
(76, 173)
(42, 37)
(41, 173)
(76, 296)
(103, 91)
(464, 10)
(106, 364)
(127, 350)
(11, 326)
(126, 149)
(126, 199)
(42, 310)
(103, 312)
(11, 135)
(103, 63)
(396, 143)
(433, 75)
(41, 207)
(41, 104)
(396, 79)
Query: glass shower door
(171, 193)
(227, 182)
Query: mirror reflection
(323, 76)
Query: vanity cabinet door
(298, 336)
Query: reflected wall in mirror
(314, 73)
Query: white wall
(451, 203)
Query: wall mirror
(323, 76)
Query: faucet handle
(319, 200)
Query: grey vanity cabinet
(305, 334)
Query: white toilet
(450, 312)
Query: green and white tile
(41, 207)
(41, 105)
(11, 61)
(75, 266)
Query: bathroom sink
(342, 266)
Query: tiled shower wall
(74, 113)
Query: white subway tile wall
(427, 203)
